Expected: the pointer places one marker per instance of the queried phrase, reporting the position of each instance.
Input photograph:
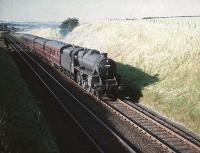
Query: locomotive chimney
(104, 54)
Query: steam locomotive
(92, 70)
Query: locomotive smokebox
(104, 55)
(107, 68)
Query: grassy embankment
(20, 130)
(161, 59)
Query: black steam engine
(91, 69)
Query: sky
(86, 10)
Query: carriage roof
(55, 44)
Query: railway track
(166, 122)
(169, 139)
(101, 135)
(161, 132)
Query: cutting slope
(159, 59)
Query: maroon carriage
(38, 46)
(53, 49)
(28, 39)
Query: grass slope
(20, 131)
(162, 59)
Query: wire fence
(179, 22)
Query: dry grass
(167, 48)
(172, 53)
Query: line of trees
(68, 25)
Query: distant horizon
(147, 17)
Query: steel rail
(188, 137)
(119, 114)
(142, 129)
(139, 127)
(186, 141)
(58, 100)
(97, 118)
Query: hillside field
(159, 60)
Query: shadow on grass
(134, 80)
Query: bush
(68, 25)
(20, 130)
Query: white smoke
(50, 33)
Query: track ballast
(162, 133)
